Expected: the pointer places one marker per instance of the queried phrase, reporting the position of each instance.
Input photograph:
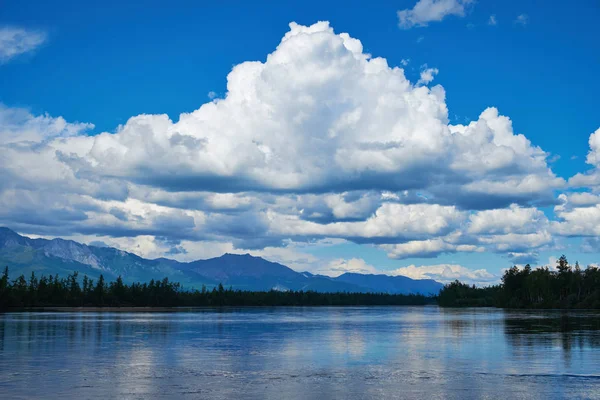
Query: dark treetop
(53, 291)
(567, 287)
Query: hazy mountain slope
(391, 284)
(58, 256)
(23, 255)
(248, 272)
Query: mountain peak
(243, 271)
(237, 255)
(8, 237)
(4, 231)
(391, 284)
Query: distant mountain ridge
(24, 255)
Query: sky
(444, 139)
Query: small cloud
(470, 25)
(426, 11)
(405, 61)
(522, 19)
(212, 95)
(427, 75)
(176, 250)
(341, 266)
(16, 41)
(420, 39)
(523, 258)
(492, 20)
(554, 158)
(573, 157)
(590, 245)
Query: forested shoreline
(53, 291)
(569, 287)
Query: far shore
(98, 309)
(178, 309)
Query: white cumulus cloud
(592, 177)
(320, 115)
(319, 141)
(447, 273)
(428, 248)
(427, 76)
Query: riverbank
(98, 309)
(133, 309)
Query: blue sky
(69, 63)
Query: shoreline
(184, 308)
(133, 309)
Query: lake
(301, 353)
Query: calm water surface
(302, 353)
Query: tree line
(567, 287)
(53, 291)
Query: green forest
(53, 291)
(568, 287)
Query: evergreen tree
(4, 287)
(527, 288)
(563, 265)
(100, 291)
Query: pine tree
(4, 289)
(100, 291)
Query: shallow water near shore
(301, 353)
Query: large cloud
(515, 231)
(514, 219)
(319, 115)
(320, 140)
(19, 125)
(578, 221)
(579, 212)
(390, 223)
(592, 177)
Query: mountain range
(24, 255)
